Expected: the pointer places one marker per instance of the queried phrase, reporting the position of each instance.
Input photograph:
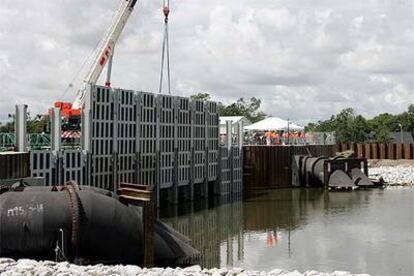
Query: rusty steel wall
(270, 166)
(14, 165)
(380, 151)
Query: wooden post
(149, 221)
(142, 195)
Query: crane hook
(166, 9)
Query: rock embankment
(394, 172)
(48, 268)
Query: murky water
(361, 231)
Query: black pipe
(314, 169)
(89, 225)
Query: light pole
(401, 132)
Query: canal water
(367, 231)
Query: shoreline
(394, 172)
(49, 268)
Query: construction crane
(103, 55)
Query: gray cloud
(304, 59)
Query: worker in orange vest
(268, 135)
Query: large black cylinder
(314, 168)
(90, 225)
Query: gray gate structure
(169, 142)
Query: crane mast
(105, 49)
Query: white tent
(273, 123)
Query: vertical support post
(229, 144)
(158, 153)
(192, 167)
(86, 136)
(241, 161)
(55, 145)
(149, 219)
(85, 168)
(229, 133)
(138, 104)
(86, 132)
(217, 186)
(176, 106)
(206, 157)
(55, 129)
(240, 134)
(115, 162)
(142, 196)
(21, 128)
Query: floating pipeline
(83, 225)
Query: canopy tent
(273, 123)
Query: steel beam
(21, 128)
(56, 129)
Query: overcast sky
(304, 59)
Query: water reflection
(303, 229)
(208, 225)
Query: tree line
(351, 127)
(250, 109)
(37, 124)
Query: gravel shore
(48, 268)
(394, 172)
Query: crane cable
(165, 48)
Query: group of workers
(281, 138)
(271, 137)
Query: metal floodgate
(169, 142)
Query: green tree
(38, 124)
(201, 97)
(353, 128)
(7, 127)
(348, 126)
(249, 109)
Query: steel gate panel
(126, 135)
(225, 179)
(183, 140)
(237, 169)
(199, 140)
(212, 137)
(166, 112)
(102, 138)
(43, 164)
(73, 166)
(147, 128)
